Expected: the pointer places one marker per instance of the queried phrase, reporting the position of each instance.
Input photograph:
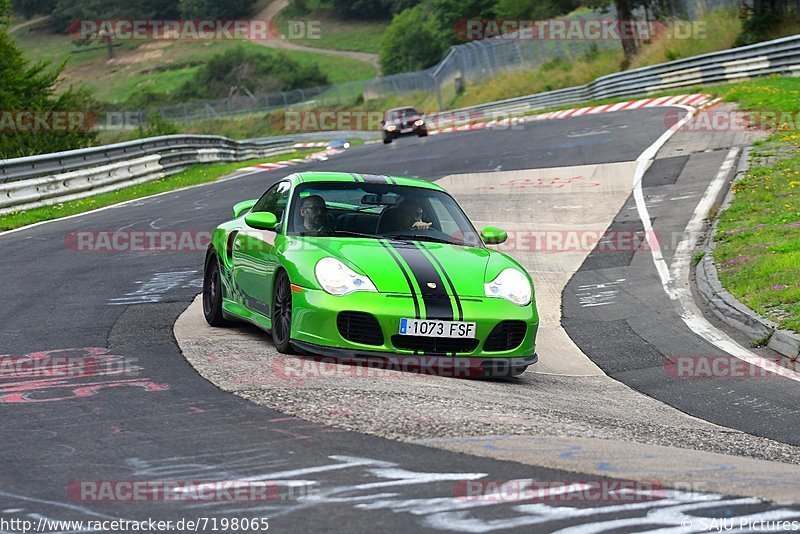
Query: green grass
(336, 33)
(758, 236)
(158, 65)
(197, 174)
(552, 75)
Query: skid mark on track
(157, 288)
(602, 294)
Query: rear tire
(282, 314)
(212, 293)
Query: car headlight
(338, 279)
(419, 122)
(511, 285)
(391, 127)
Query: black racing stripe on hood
(399, 262)
(436, 300)
(449, 281)
(356, 177)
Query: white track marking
(675, 283)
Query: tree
(214, 9)
(625, 15)
(363, 9)
(449, 13)
(67, 12)
(29, 8)
(30, 89)
(624, 10)
(411, 42)
(525, 9)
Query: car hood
(393, 264)
(408, 119)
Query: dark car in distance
(399, 122)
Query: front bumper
(314, 325)
(394, 134)
(453, 366)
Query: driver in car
(411, 213)
(315, 214)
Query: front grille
(359, 327)
(506, 335)
(434, 345)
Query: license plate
(434, 328)
(406, 130)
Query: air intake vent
(506, 335)
(359, 327)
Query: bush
(757, 28)
(157, 125)
(241, 70)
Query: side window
(275, 199)
(446, 221)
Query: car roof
(327, 176)
(402, 108)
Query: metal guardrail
(47, 179)
(780, 56)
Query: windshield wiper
(347, 233)
(417, 237)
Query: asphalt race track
(144, 413)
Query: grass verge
(197, 174)
(758, 236)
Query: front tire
(282, 314)
(386, 140)
(212, 293)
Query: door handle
(237, 244)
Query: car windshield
(385, 211)
(402, 113)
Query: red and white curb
(316, 144)
(317, 156)
(694, 100)
(698, 101)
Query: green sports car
(374, 269)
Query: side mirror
(492, 235)
(261, 220)
(241, 207)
